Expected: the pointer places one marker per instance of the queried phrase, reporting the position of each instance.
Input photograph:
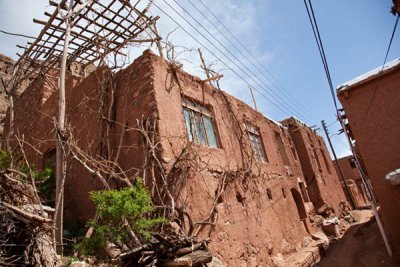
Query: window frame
(256, 141)
(198, 115)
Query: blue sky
(355, 35)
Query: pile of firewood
(168, 249)
(25, 225)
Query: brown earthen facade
(322, 181)
(263, 207)
(371, 104)
(353, 180)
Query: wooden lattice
(102, 27)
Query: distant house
(353, 180)
(237, 173)
(371, 105)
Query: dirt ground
(362, 245)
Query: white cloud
(238, 16)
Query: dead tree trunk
(60, 175)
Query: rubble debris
(25, 225)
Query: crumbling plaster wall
(373, 111)
(323, 183)
(354, 181)
(249, 227)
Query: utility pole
(338, 165)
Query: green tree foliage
(113, 207)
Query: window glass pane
(199, 123)
(188, 124)
(212, 140)
(256, 146)
(200, 129)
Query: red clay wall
(249, 228)
(323, 183)
(37, 106)
(353, 178)
(373, 112)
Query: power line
(256, 80)
(314, 25)
(218, 58)
(254, 60)
(381, 72)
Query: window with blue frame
(200, 125)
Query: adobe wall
(323, 183)
(35, 111)
(353, 179)
(125, 97)
(373, 112)
(247, 225)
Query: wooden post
(203, 63)
(60, 160)
(252, 96)
(158, 41)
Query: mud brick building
(353, 180)
(371, 105)
(319, 172)
(237, 173)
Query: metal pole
(369, 189)
(338, 165)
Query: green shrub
(112, 208)
(5, 160)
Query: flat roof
(388, 67)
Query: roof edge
(368, 76)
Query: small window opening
(353, 164)
(240, 198)
(269, 193)
(283, 193)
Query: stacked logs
(25, 225)
(168, 249)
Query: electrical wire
(250, 58)
(256, 80)
(314, 25)
(380, 73)
(218, 58)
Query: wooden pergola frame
(100, 29)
